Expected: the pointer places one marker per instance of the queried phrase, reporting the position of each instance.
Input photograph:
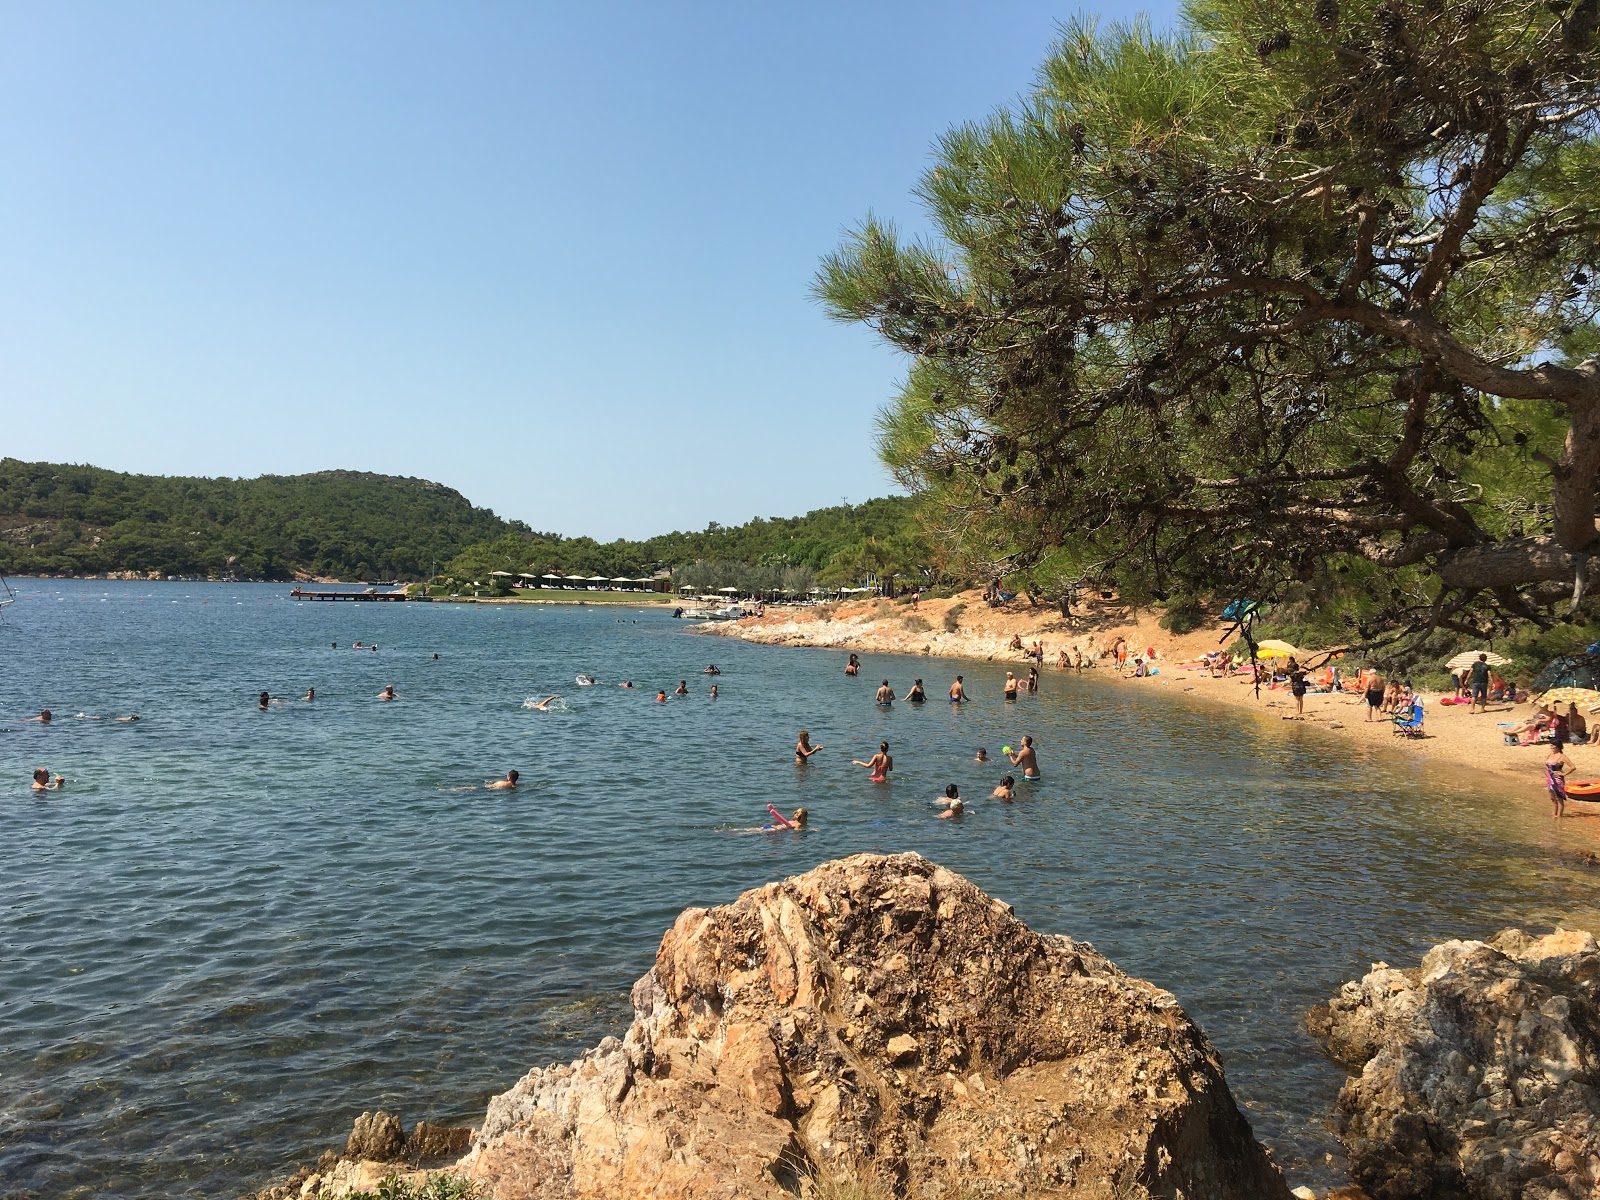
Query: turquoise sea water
(236, 930)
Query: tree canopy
(1293, 290)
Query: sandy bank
(1455, 739)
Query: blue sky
(556, 256)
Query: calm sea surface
(236, 930)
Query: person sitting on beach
(682, 689)
(885, 695)
(981, 756)
(544, 705)
(1061, 661)
(43, 783)
(803, 749)
(388, 693)
(958, 691)
(879, 766)
(1016, 642)
(916, 695)
(1531, 730)
(1026, 758)
(1006, 790)
(1577, 726)
(1138, 668)
(853, 667)
(46, 716)
(1011, 686)
(508, 784)
(951, 803)
(1556, 766)
(796, 821)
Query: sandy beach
(1454, 739)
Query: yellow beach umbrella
(1273, 648)
(1570, 695)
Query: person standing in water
(916, 695)
(1026, 758)
(1556, 766)
(853, 667)
(713, 691)
(803, 749)
(682, 689)
(388, 693)
(1006, 790)
(885, 695)
(42, 781)
(265, 702)
(879, 766)
(958, 691)
(1011, 686)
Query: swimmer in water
(853, 667)
(951, 803)
(803, 749)
(711, 670)
(981, 756)
(374, 647)
(43, 783)
(879, 766)
(311, 694)
(544, 705)
(713, 691)
(388, 693)
(264, 702)
(885, 695)
(356, 646)
(682, 689)
(797, 821)
(916, 695)
(661, 695)
(1006, 790)
(508, 784)
(1027, 758)
(958, 691)
(44, 718)
(626, 683)
(435, 658)
(125, 720)
(333, 645)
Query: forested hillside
(347, 524)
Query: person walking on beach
(958, 692)
(879, 766)
(1556, 766)
(885, 695)
(1297, 689)
(1374, 693)
(1480, 685)
(803, 749)
(1026, 758)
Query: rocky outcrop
(878, 1019)
(1479, 1072)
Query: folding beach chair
(1410, 725)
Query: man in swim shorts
(885, 695)
(1480, 685)
(1374, 693)
(958, 691)
(1011, 686)
(1026, 758)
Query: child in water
(951, 803)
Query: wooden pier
(370, 594)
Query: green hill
(59, 518)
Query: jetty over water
(369, 594)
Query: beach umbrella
(503, 574)
(1273, 648)
(1467, 657)
(1570, 695)
(1569, 670)
(728, 589)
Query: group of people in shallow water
(880, 765)
(43, 780)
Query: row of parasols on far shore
(1567, 679)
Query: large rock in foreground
(879, 1016)
(1478, 1072)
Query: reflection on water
(236, 930)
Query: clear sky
(555, 255)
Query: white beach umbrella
(729, 589)
(1467, 657)
(502, 574)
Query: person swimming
(803, 749)
(878, 766)
(311, 694)
(711, 670)
(543, 705)
(713, 691)
(951, 803)
(508, 784)
(682, 689)
(388, 693)
(43, 783)
(265, 702)
(796, 821)
(127, 719)
(981, 756)
(885, 695)
(46, 716)
(1006, 790)
(626, 683)
(916, 695)
(661, 696)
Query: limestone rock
(376, 1137)
(431, 1143)
(879, 1016)
(1479, 1072)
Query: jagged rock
(880, 1016)
(1479, 1072)
(376, 1137)
(430, 1143)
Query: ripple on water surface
(237, 930)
